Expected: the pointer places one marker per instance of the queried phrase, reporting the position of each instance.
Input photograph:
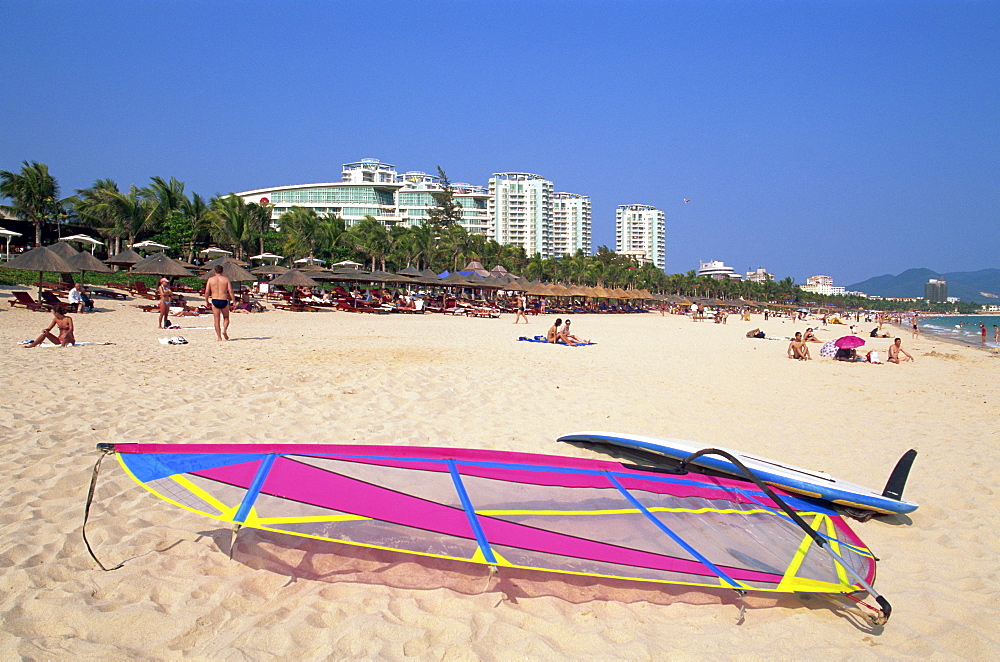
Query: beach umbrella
(347, 263)
(456, 280)
(84, 239)
(429, 273)
(160, 265)
(222, 260)
(294, 278)
(9, 233)
(849, 342)
(828, 349)
(310, 260)
(126, 258)
(39, 259)
(84, 262)
(63, 250)
(409, 271)
(268, 269)
(267, 256)
(230, 270)
(214, 251)
(149, 244)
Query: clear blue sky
(846, 138)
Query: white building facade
(372, 188)
(520, 204)
(820, 284)
(570, 230)
(640, 232)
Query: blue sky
(851, 139)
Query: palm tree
(93, 211)
(197, 216)
(371, 239)
(34, 194)
(131, 212)
(230, 222)
(303, 231)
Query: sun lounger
(26, 300)
(296, 307)
(98, 292)
(139, 289)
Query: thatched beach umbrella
(294, 278)
(430, 273)
(268, 269)
(84, 262)
(231, 270)
(160, 265)
(62, 249)
(40, 259)
(409, 271)
(126, 258)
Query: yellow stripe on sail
(225, 512)
(789, 577)
(625, 511)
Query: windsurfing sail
(503, 509)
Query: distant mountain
(982, 286)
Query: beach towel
(76, 344)
(176, 340)
(543, 340)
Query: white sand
(335, 377)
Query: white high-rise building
(519, 204)
(640, 232)
(570, 229)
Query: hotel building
(372, 188)
(822, 285)
(570, 229)
(718, 270)
(640, 233)
(520, 207)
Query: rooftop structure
(821, 284)
(718, 270)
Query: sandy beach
(335, 377)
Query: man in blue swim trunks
(219, 295)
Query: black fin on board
(897, 479)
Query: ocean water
(961, 327)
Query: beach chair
(296, 307)
(51, 300)
(139, 289)
(98, 292)
(26, 300)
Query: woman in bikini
(65, 324)
(166, 294)
(555, 334)
(810, 336)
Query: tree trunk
(38, 234)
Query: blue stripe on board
(673, 536)
(255, 486)
(470, 513)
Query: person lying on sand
(895, 349)
(875, 333)
(756, 333)
(797, 349)
(65, 324)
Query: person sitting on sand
(554, 333)
(844, 354)
(65, 324)
(809, 336)
(797, 349)
(569, 338)
(895, 349)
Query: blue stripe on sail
(470, 513)
(673, 536)
(151, 466)
(255, 487)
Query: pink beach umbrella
(849, 342)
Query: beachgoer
(520, 305)
(809, 336)
(166, 294)
(982, 330)
(996, 334)
(554, 333)
(797, 349)
(569, 338)
(875, 333)
(895, 349)
(844, 354)
(916, 329)
(756, 333)
(79, 300)
(65, 324)
(218, 295)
